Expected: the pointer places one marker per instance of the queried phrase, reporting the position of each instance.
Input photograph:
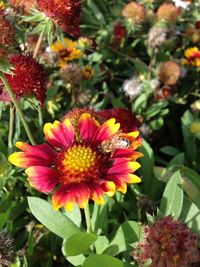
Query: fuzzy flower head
(7, 255)
(169, 73)
(65, 13)
(135, 12)
(170, 243)
(71, 73)
(157, 36)
(132, 88)
(28, 79)
(168, 12)
(80, 167)
(128, 122)
(6, 34)
(192, 57)
(67, 50)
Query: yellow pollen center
(79, 158)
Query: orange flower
(168, 12)
(135, 12)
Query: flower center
(78, 164)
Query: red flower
(66, 13)
(28, 78)
(119, 32)
(168, 243)
(79, 167)
(126, 119)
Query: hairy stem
(17, 106)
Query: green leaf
(55, 221)
(79, 243)
(191, 184)
(104, 261)
(170, 150)
(156, 124)
(172, 199)
(101, 244)
(155, 109)
(74, 215)
(99, 217)
(128, 233)
(6, 67)
(147, 164)
(191, 215)
(140, 66)
(117, 103)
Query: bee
(115, 142)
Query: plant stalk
(17, 106)
(11, 127)
(39, 42)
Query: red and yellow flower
(77, 169)
(192, 57)
(67, 50)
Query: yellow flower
(192, 57)
(67, 50)
(88, 72)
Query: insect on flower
(117, 141)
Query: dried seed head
(135, 12)
(169, 73)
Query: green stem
(87, 218)
(40, 118)
(11, 128)
(18, 109)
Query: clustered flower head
(28, 78)
(6, 34)
(67, 50)
(65, 13)
(168, 243)
(83, 162)
(169, 73)
(135, 12)
(168, 12)
(7, 254)
(157, 36)
(128, 121)
(192, 57)
(132, 88)
(71, 73)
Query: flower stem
(87, 218)
(39, 42)
(40, 118)
(11, 128)
(18, 109)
